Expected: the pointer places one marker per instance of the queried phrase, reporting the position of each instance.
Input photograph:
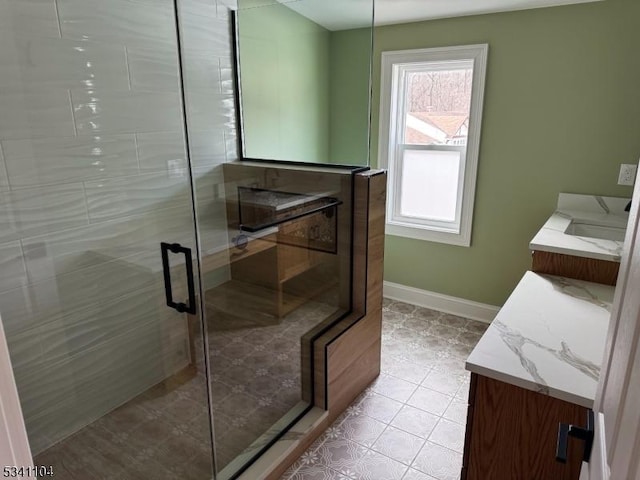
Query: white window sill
(458, 239)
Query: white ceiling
(336, 14)
(346, 14)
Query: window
(430, 115)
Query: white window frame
(394, 66)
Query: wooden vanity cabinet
(512, 434)
(571, 266)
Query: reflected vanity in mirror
(304, 69)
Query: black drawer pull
(177, 248)
(565, 431)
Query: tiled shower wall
(93, 175)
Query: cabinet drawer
(514, 432)
(580, 268)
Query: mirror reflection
(304, 69)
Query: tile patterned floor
(164, 433)
(409, 424)
(252, 386)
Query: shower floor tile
(164, 433)
(409, 424)
(151, 436)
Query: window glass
(429, 186)
(438, 104)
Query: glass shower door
(96, 228)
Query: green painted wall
(350, 70)
(562, 111)
(284, 64)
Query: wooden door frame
(619, 367)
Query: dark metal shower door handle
(177, 249)
(586, 434)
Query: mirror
(304, 70)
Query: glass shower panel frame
(288, 260)
(94, 176)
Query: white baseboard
(442, 303)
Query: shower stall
(160, 295)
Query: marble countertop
(549, 337)
(595, 210)
(280, 200)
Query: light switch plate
(627, 174)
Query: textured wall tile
(96, 380)
(36, 211)
(28, 17)
(25, 349)
(208, 5)
(136, 237)
(210, 111)
(34, 63)
(213, 240)
(143, 349)
(201, 70)
(165, 151)
(211, 209)
(142, 23)
(207, 183)
(154, 68)
(162, 152)
(103, 111)
(43, 387)
(227, 81)
(231, 145)
(27, 308)
(107, 280)
(12, 266)
(50, 407)
(4, 179)
(28, 114)
(203, 30)
(104, 321)
(61, 160)
(66, 294)
(207, 148)
(116, 198)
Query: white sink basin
(580, 229)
